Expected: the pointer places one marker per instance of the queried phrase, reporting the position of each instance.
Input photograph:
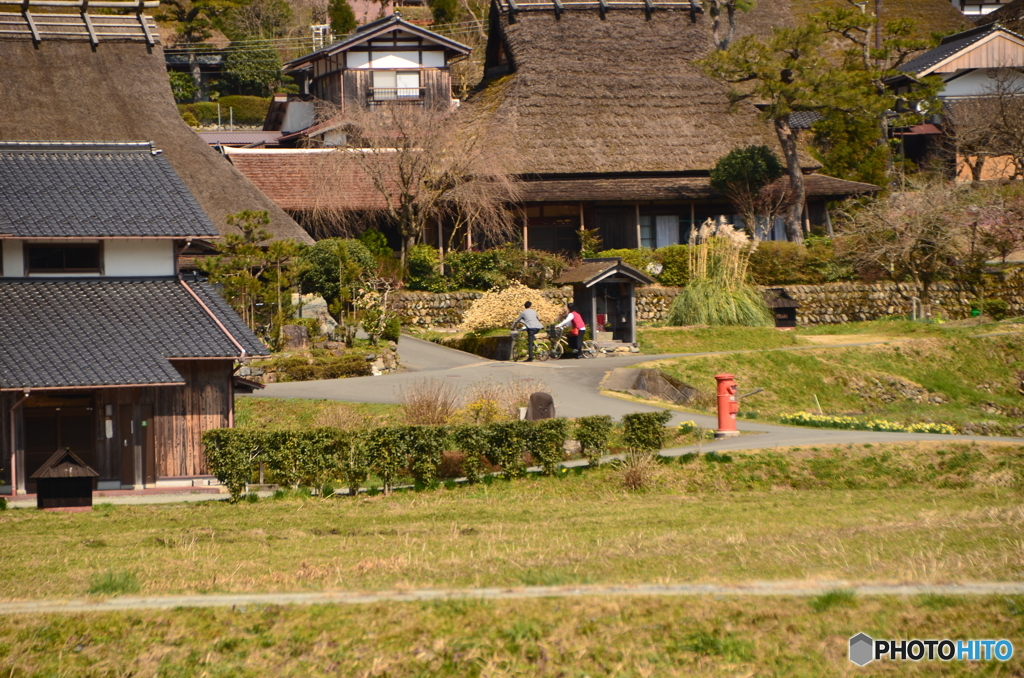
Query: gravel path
(754, 588)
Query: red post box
(728, 406)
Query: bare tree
(969, 135)
(763, 206)
(931, 232)
(423, 166)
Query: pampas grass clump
(718, 292)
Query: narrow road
(754, 588)
(576, 388)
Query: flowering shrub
(828, 421)
(498, 308)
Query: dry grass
(629, 637)
(861, 513)
(429, 401)
(637, 471)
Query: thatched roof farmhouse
(616, 125)
(63, 87)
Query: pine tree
(343, 19)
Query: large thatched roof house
(70, 82)
(616, 126)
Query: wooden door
(126, 442)
(146, 437)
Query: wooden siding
(180, 415)
(1000, 51)
(437, 84)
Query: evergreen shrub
(644, 432)
(592, 433)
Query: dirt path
(754, 588)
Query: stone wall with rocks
(851, 302)
(819, 304)
(427, 309)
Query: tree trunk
(794, 213)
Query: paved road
(575, 386)
(754, 588)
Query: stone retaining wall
(819, 304)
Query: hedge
(247, 110)
(317, 456)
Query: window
(77, 258)
(660, 230)
(391, 85)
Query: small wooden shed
(64, 482)
(605, 295)
(783, 306)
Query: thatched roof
(593, 271)
(1010, 15)
(667, 188)
(621, 94)
(64, 90)
(930, 16)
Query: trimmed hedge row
(247, 110)
(316, 457)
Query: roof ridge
(81, 146)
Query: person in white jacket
(574, 321)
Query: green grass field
(658, 340)
(915, 513)
(953, 380)
(557, 638)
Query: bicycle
(556, 343)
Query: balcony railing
(402, 95)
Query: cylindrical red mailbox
(728, 406)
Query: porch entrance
(52, 423)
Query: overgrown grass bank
(912, 513)
(952, 380)
(302, 413)
(572, 637)
(656, 340)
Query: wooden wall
(180, 416)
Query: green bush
(645, 431)
(231, 455)
(549, 443)
(385, 453)
(533, 268)
(997, 309)
(353, 462)
(376, 243)
(474, 442)
(778, 263)
(474, 270)
(393, 330)
(424, 446)
(247, 110)
(592, 433)
(675, 262)
(707, 302)
(508, 442)
(637, 258)
(812, 262)
(304, 458)
(327, 367)
(422, 264)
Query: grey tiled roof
(94, 190)
(109, 331)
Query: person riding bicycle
(532, 323)
(574, 320)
